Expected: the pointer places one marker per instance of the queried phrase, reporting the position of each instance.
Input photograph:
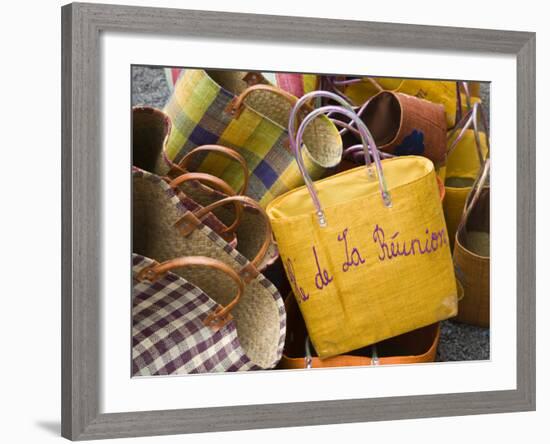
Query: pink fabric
(174, 74)
(292, 83)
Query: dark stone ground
(458, 342)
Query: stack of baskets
(364, 201)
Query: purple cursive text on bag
(322, 278)
(292, 278)
(355, 258)
(395, 247)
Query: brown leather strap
(236, 106)
(251, 270)
(254, 78)
(354, 360)
(211, 180)
(218, 184)
(231, 153)
(220, 317)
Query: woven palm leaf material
(219, 107)
(177, 328)
(184, 201)
(466, 153)
(150, 130)
(159, 217)
(250, 232)
(402, 124)
(472, 264)
(446, 93)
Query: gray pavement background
(458, 342)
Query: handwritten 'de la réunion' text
(389, 248)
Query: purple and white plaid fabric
(168, 334)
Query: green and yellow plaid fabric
(198, 112)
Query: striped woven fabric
(199, 112)
(168, 333)
(172, 75)
(297, 84)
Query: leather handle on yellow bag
(228, 152)
(250, 271)
(218, 184)
(221, 316)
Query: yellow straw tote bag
(409, 348)
(219, 107)
(465, 157)
(472, 254)
(366, 250)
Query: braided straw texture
(321, 143)
(472, 269)
(169, 336)
(200, 109)
(150, 131)
(251, 231)
(259, 316)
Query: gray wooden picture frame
(81, 230)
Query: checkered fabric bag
(219, 107)
(164, 228)
(177, 328)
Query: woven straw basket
(406, 125)
(150, 130)
(177, 328)
(246, 222)
(464, 161)
(441, 92)
(219, 107)
(472, 257)
(163, 229)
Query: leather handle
(217, 183)
(250, 271)
(228, 152)
(236, 106)
(221, 316)
(211, 180)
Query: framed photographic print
(292, 221)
